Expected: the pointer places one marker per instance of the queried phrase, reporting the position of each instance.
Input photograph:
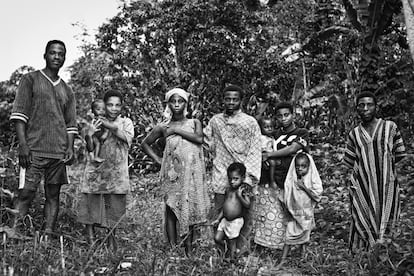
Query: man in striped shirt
(372, 149)
(44, 114)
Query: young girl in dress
(303, 189)
(182, 173)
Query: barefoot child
(267, 127)
(98, 110)
(230, 220)
(303, 189)
(182, 174)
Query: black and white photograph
(207, 137)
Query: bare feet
(281, 264)
(112, 243)
(98, 159)
(90, 233)
(303, 251)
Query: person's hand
(215, 222)
(105, 122)
(273, 190)
(25, 156)
(68, 159)
(158, 160)
(300, 184)
(94, 127)
(273, 185)
(169, 131)
(240, 191)
(265, 156)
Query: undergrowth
(141, 242)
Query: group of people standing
(258, 191)
(264, 184)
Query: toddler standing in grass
(230, 220)
(303, 189)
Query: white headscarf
(180, 92)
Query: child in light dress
(303, 189)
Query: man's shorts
(53, 170)
(231, 228)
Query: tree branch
(352, 15)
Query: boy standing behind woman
(271, 218)
(298, 187)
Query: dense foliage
(141, 242)
(198, 45)
(318, 54)
(7, 92)
(151, 46)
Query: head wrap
(180, 92)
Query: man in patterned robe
(372, 149)
(233, 136)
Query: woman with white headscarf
(182, 175)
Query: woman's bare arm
(156, 133)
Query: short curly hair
(55, 41)
(287, 105)
(365, 94)
(112, 93)
(237, 167)
(235, 88)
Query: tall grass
(142, 244)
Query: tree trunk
(408, 7)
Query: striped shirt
(48, 109)
(374, 188)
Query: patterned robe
(233, 139)
(374, 189)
